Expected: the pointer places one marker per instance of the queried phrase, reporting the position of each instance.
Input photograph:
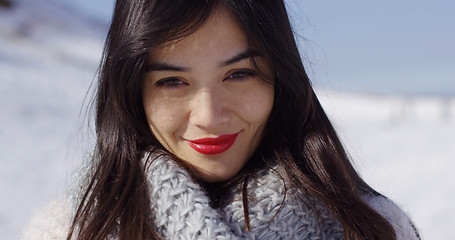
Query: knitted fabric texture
(181, 210)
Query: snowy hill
(48, 58)
(403, 146)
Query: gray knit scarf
(181, 209)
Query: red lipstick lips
(211, 146)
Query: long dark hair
(299, 137)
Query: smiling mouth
(211, 146)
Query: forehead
(219, 36)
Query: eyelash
(170, 82)
(173, 82)
(241, 74)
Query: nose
(209, 110)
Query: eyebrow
(249, 53)
(161, 66)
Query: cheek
(163, 117)
(258, 104)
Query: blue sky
(100, 9)
(386, 46)
(383, 46)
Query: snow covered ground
(402, 145)
(48, 58)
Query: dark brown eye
(241, 74)
(170, 82)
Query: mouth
(212, 146)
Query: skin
(205, 86)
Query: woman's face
(204, 100)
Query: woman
(208, 128)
